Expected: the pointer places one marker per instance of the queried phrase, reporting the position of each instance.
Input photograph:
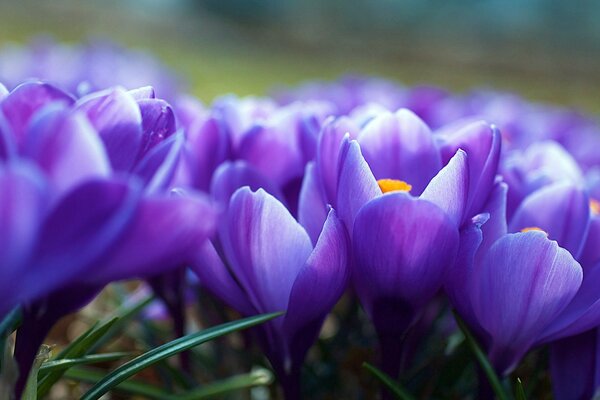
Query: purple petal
(90, 219)
(495, 226)
(265, 246)
(22, 205)
(143, 93)
(216, 278)
(562, 210)
(402, 247)
(524, 282)
(328, 153)
(158, 123)
(275, 151)
(591, 250)
(317, 288)
(356, 183)
(482, 143)
(312, 210)
(157, 169)
(229, 177)
(400, 146)
(66, 147)
(25, 100)
(117, 118)
(449, 189)
(166, 232)
(208, 147)
(3, 91)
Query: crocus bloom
(272, 266)
(510, 287)
(84, 201)
(85, 68)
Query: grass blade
(66, 363)
(8, 326)
(30, 392)
(520, 395)
(482, 360)
(388, 382)
(259, 377)
(77, 349)
(169, 349)
(130, 387)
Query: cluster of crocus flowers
(398, 196)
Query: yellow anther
(393, 185)
(533, 228)
(595, 207)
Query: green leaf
(123, 315)
(130, 387)
(77, 349)
(520, 395)
(169, 349)
(388, 382)
(30, 392)
(258, 377)
(482, 359)
(65, 363)
(8, 326)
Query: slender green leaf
(520, 395)
(77, 349)
(169, 349)
(66, 363)
(30, 392)
(482, 359)
(131, 387)
(82, 344)
(124, 316)
(388, 382)
(8, 326)
(258, 377)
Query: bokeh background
(545, 50)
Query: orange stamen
(595, 207)
(533, 228)
(393, 185)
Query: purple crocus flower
(85, 68)
(251, 142)
(84, 201)
(269, 264)
(510, 287)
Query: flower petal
(481, 141)
(524, 282)
(356, 183)
(312, 210)
(265, 246)
(402, 247)
(400, 146)
(25, 100)
(562, 210)
(449, 189)
(66, 147)
(230, 176)
(166, 232)
(117, 118)
(328, 153)
(317, 288)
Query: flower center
(393, 185)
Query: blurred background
(546, 50)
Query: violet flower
(268, 264)
(85, 202)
